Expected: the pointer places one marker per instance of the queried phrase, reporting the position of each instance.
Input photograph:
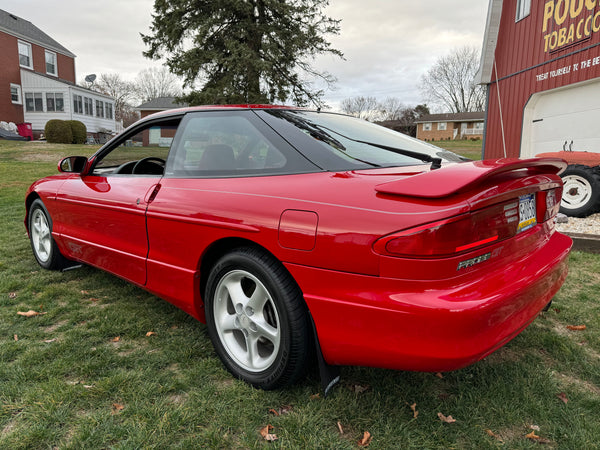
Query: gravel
(588, 225)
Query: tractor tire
(581, 191)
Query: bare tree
(154, 83)
(450, 83)
(391, 109)
(121, 91)
(362, 107)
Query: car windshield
(359, 142)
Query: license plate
(527, 212)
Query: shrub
(78, 130)
(58, 132)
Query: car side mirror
(72, 164)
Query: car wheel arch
(32, 197)
(214, 252)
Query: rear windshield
(340, 135)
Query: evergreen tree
(243, 51)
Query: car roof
(188, 109)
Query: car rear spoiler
(456, 178)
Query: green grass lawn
(467, 148)
(67, 382)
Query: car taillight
(466, 232)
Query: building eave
(490, 40)
(62, 51)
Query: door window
(142, 151)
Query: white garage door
(562, 115)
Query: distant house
(159, 104)
(435, 127)
(158, 135)
(39, 74)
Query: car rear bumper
(425, 325)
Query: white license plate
(527, 212)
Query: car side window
(141, 151)
(231, 143)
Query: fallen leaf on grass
(494, 435)
(359, 389)
(365, 440)
(16, 337)
(48, 341)
(267, 435)
(117, 408)
(30, 313)
(150, 333)
(445, 419)
(88, 386)
(576, 327)
(532, 436)
(339, 425)
(84, 292)
(563, 397)
(281, 411)
(439, 375)
(414, 410)
(534, 427)
(12, 295)
(315, 396)
(116, 339)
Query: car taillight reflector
(455, 235)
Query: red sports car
(285, 230)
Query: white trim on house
(55, 64)
(20, 45)
(36, 83)
(17, 87)
(490, 40)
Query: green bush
(58, 132)
(78, 130)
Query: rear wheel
(257, 319)
(581, 192)
(44, 248)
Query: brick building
(38, 81)
(436, 127)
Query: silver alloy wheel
(247, 321)
(577, 192)
(40, 235)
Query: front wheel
(257, 319)
(581, 191)
(44, 248)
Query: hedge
(58, 132)
(79, 131)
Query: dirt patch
(579, 384)
(178, 399)
(56, 326)
(8, 428)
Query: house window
(51, 63)
(15, 94)
(109, 110)
(25, 59)
(54, 102)
(89, 106)
(78, 104)
(478, 125)
(34, 102)
(99, 108)
(441, 126)
(427, 126)
(523, 9)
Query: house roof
(490, 40)
(23, 29)
(161, 104)
(453, 117)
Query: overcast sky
(388, 44)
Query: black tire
(581, 193)
(274, 320)
(44, 248)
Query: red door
(102, 222)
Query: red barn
(541, 62)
